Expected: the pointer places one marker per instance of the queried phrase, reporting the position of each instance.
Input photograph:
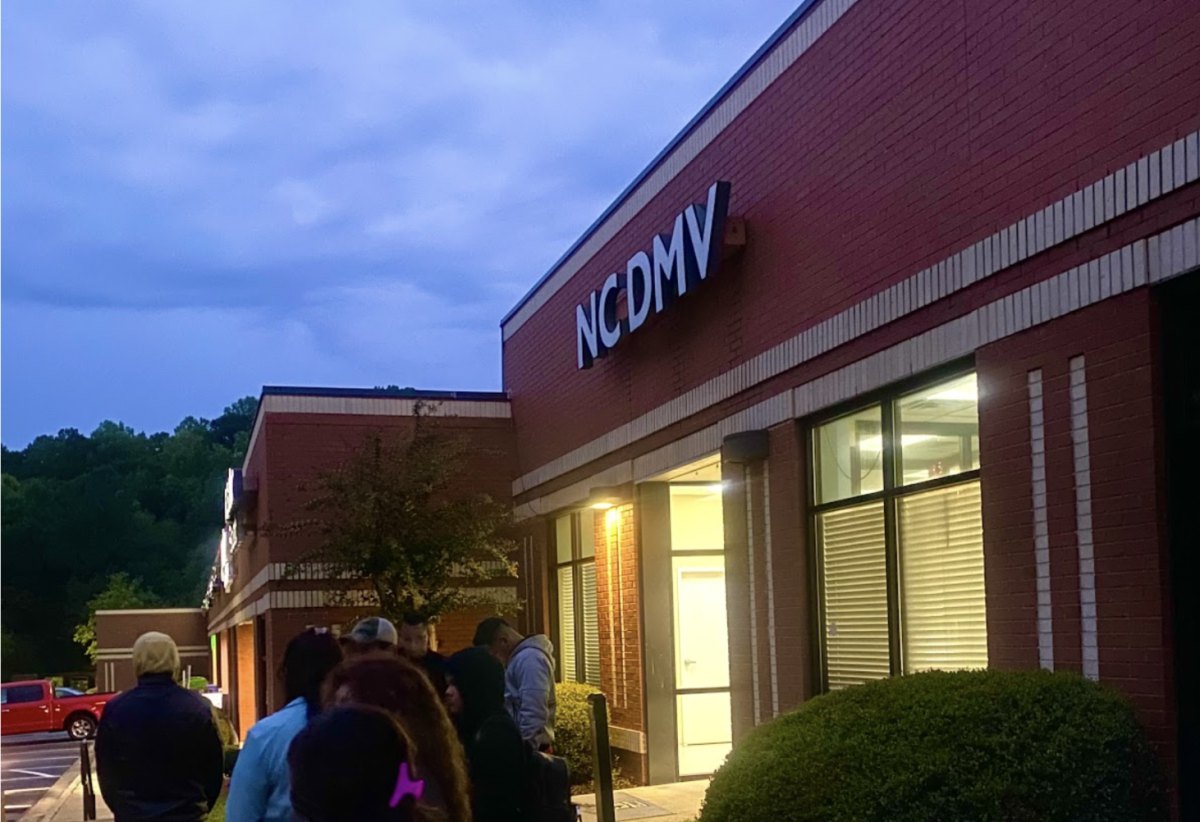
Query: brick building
(896, 372)
(264, 592)
(912, 407)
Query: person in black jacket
(496, 755)
(158, 752)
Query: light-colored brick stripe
(1041, 533)
(1083, 518)
(1173, 166)
(1136, 265)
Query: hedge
(979, 745)
(573, 729)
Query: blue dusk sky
(200, 198)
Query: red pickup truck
(37, 707)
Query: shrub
(229, 760)
(983, 745)
(573, 729)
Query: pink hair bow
(406, 786)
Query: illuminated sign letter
(639, 285)
(587, 344)
(704, 223)
(668, 263)
(610, 327)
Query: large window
(576, 631)
(900, 536)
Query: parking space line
(35, 773)
(23, 790)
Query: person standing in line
(416, 645)
(372, 635)
(402, 689)
(355, 764)
(259, 790)
(528, 678)
(496, 754)
(158, 752)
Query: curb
(56, 796)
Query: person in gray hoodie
(528, 678)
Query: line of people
(376, 726)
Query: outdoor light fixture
(603, 497)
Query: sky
(202, 198)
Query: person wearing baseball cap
(371, 635)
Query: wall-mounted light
(603, 497)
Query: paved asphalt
(30, 764)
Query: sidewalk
(64, 801)
(676, 802)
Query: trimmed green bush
(965, 746)
(573, 729)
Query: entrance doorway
(704, 728)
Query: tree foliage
(78, 509)
(121, 592)
(395, 516)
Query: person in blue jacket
(260, 789)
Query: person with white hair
(158, 751)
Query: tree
(391, 517)
(79, 508)
(120, 592)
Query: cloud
(312, 165)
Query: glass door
(702, 702)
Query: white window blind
(591, 626)
(853, 546)
(944, 615)
(566, 622)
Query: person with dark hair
(416, 645)
(496, 754)
(354, 764)
(258, 789)
(528, 678)
(401, 689)
(158, 753)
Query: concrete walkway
(677, 802)
(64, 801)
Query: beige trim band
(1142, 181)
(1139, 264)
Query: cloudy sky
(200, 198)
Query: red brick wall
(906, 132)
(1118, 340)
(618, 595)
(300, 447)
(245, 688)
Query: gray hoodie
(529, 689)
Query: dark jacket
(158, 754)
(434, 666)
(496, 754)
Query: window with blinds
(941, 579)
(576, 632)
(896, 503)
(855, 586)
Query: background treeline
(80, 510)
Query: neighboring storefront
(888, 377)
(264, 589)
(864, 375)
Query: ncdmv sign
(682, 260)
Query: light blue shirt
(260, 790)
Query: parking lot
(29, 765)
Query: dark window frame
(575, 563)
(887, 400)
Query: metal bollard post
(602, 759)
(89, 790)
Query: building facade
(877, 385)
(265, 589)
(895, 372)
